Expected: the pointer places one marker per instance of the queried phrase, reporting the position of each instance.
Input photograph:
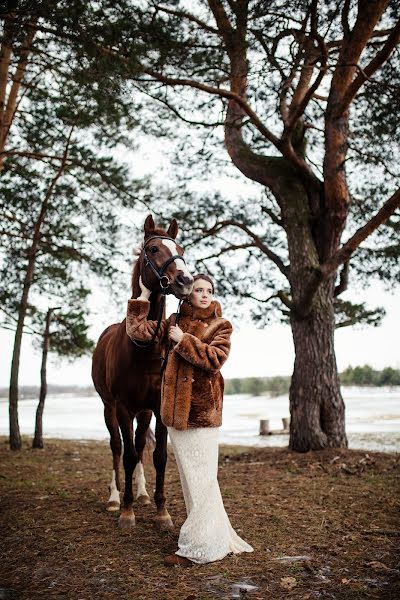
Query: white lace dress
(207, 534)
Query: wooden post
(286, 423)
(264, 427)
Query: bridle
(158, 271)
(164, 283)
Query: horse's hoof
(127, 521)
(164, 523)
(144, 500)
(113, 506)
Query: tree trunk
(316, 404)
(38, 437)
(15, 436)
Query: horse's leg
(143, 421)
(110, 418)
(127, 518)
(163, 518)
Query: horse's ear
(173, 229)
(149, 224)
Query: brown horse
(128, 379)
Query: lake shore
(372, 418)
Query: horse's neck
(155, 298)
(155, 301)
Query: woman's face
(202, 295)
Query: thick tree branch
(304, 93)
(344, 280)
(354, 43)
(5, 59)
(345, 252)
(8, 114)
(372, 66)
(223, 23)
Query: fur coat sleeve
(137, 325)
(208, 356)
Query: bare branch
(37, 155)
(283, 297)
(188, 16)
(257, 242)
(272, 215)
(223, 93)
(228, 249)
(302, 96)
(177, 113)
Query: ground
(322, 524)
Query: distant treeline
(32, 391)
(366, 375)
(277, 386)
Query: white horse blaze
(114, 493)
(140, 480)
(181, 265)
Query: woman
(191, 408)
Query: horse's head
(161, 262)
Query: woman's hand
(175, 333)
(145, 293)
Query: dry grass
(339, 508)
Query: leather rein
(164, 283)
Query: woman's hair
(206, 277)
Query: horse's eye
(154, 249)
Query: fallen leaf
(375, 564)
(288, 583)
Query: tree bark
(38, 437)
(316, 404)
(15, 436)
(7, 110)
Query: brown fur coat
(192, 387)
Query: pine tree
(65, 333)
(304, 92)
(62, 108)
